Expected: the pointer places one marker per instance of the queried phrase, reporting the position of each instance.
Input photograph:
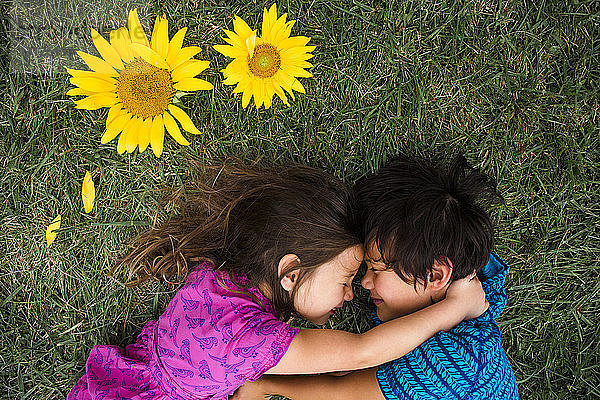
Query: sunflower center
(265, 62)
(143, 89)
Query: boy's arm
(323, 350)
(357, 385)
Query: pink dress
(212, 337)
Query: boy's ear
(440, 275)
(288, 281)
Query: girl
(264, 244)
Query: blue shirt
(467, 362)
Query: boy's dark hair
(418, 211)
(244, 219)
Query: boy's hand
(468, 295)
(249, 391)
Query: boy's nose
(367, 280)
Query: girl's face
(329, 286)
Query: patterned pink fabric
(212, 337)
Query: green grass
(512, 84)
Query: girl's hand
(249, 391)
(467, 295)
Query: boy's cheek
(385, 314)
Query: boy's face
(392, 296)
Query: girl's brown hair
(244, 220)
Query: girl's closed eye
(348, 283)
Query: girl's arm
(323, 350)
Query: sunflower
(139, 81)
(267, 65)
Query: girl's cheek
(377, 284)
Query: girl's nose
(367, 280)
(348, 295)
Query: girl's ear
(287, 262)
(440, 275)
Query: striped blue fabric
(467, 362)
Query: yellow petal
(175, 45)
(77, 73)
(97, 101)
(107, 52)
(191, 84)
(160, 38)
(184, 120)
(97, 64)
(230, 51)
(136, 32)
(153, 34)
(132, 139)
(93, 84)
(119, 39)
(113, 113)
(241, 27)
(278, 30)
(297, 86)
(298, 53)
(157, 135)
(242, 85)
(88, 192)
(174, 130)
(286, 81)
(258, 94)
(51, 230)
(231, 80)
(79, 92)
(281, 94)
(294, 41)
(234, 73)
(296, 71)
(149, 55)
(183, 55)
(232, 38)
(189, 69)
(273, 12)
(124, 137)
(144, 134)
(284, 32)
(251, 44)
(121, 143)
(269, 93)
(115, 127)
(247, 94)
(269, 18)
(305, 64)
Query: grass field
(514, 85)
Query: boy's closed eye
(378, 268)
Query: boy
(424, 227)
